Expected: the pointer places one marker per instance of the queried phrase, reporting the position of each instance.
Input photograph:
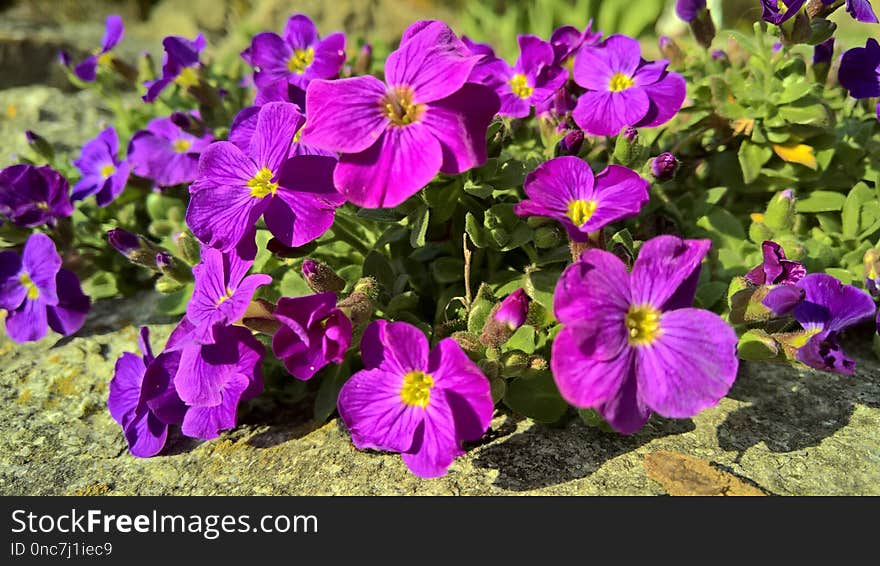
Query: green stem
(667, 202)
(345, 234)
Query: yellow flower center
(300, 60)
(226, 297)
(416, 390)
(43, 205)
(643, 324)
(108, 170)
(299, 133)
(519, 85)
(620, 82)
(261, 184)
(181, 145)
(32, 292)
(399, 107)
(188, 77)
(105, 59)
(581, 210)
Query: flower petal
(466, 389)
(125, 388)
(665, 266)
(590, 363)
(12, 292)
(595, 65)
(28, 322)
(221, 217)
(606, 113)
(831, 305)
(276, 125)
(625, 411)
(146, 435)
(300, 32)
(666, 96)
(436, 445)
(113, 33)
(620, 193)
(42, 263)
(593, 291)
(345, 115)
(207, 422)
(73, 305)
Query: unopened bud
(189, 248)
(514, 363)
(670, 50)
(663, 166)
(358, 306)
(628, 149)
(136, 248)
(780, 211)
(170, 266)
(470, 343)
(505, 318)
(872, 271)
(39, 145)
(364, 61)
(703, 28)
(823, 53)
(368, 286)
(167, 285)
(570, 144)
(321, 277)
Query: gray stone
(790, 433)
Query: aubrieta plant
(420, 240)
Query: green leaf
(328, 393)
(523, 339)
(101, 285)
(447, 269)
(536, 397)
(420, 227)
(725, 229)
(263, 253)
(859, 198)
(843, 275)
(757, 345)
(376, 265)
(821, 201)
(474, 231)
(293, 284)
(175, 303)
(540, 284)
(751, 158)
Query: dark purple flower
(123, 241)
(623, 89)
(179, 65)
(687, 10)
(33, 196)
(570, 144)
(860, 71)
(103, 173)
(775, 270)
(37, 294)
(396, 136)
(142, 397)
(313, 333)
(823, 52)
(567, 40)
(86, 70)
(663, 166)
(829, 307)
(165, 153)
(860, 10)
(630, 343)
(234, 188)
(423, 403)
(565, 188)
(297, 58)
(780, 11)
(782, 299)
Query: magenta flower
(568, 40)
(313, 333)
(623, 89)
(630, 344)
(234, 188)
(395, 137)
(860, 71)
(179, 65)
(829, 308)
(775, 269)
(411, 400)
(565, 189)
(222, 290)
(297, 58)
(103, 173)
(37, 294)
(33, 196)
(165, 153)
(142, 397)
(244, 125)
(512, 311)
(532, 80)
(86, 70)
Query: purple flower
(179, 65)
(567, 41)
(570, 144)
(531, 81)
(313, 333)
(222, 290)
(298, 58)
(860, 71)
(37, 294)
(245, 124)
(165, 153)
(213, 379)
(687, 10)
(395, 137)
(33, 196)
(776, 13)
(829, 307)
(86, 70)
(512, 311)
(663, 166)
(123, 241)
(411, 400)
(103, 174)
(234, 188)
(142, 397)
(623, 89)
(823, 52)
(860, 10)
(565, 189)
(775, 270)
(630, 344)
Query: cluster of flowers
(631, 343)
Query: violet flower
(245, 124)
(631, 345)
(297, 58)
(142, 398)
(103, 173)
(165, 153)
(234, 188)
(531, 81)
(412, 400)
(860, 71)
(568, 40)
(829, 308)
(86, 70)
(32, 196)
(823, 52)
(775, 269)
(37, 294)
(860, 10)
(222, 290)
(313, 333)
(623, 89)
(179, 65)
(687, 10)
(565, 189)
(396, 136)
(780, 11)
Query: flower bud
(628, 149)
(570, 144)
(505, 318)
(514, 363)
(470, 343)
(663, 166)
(364, 61)
(39, 145)
(872, 271)
(170, 266)
(138, 250)
(368, 286)
(823, 53)
(123, 241)
(321, 277)
(189, 248)
(670, 50)
(703, 28)
(167, 285)
(780, 211)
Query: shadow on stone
(109, 315)
(543, 456)
(792, 410)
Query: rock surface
(783, 432)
